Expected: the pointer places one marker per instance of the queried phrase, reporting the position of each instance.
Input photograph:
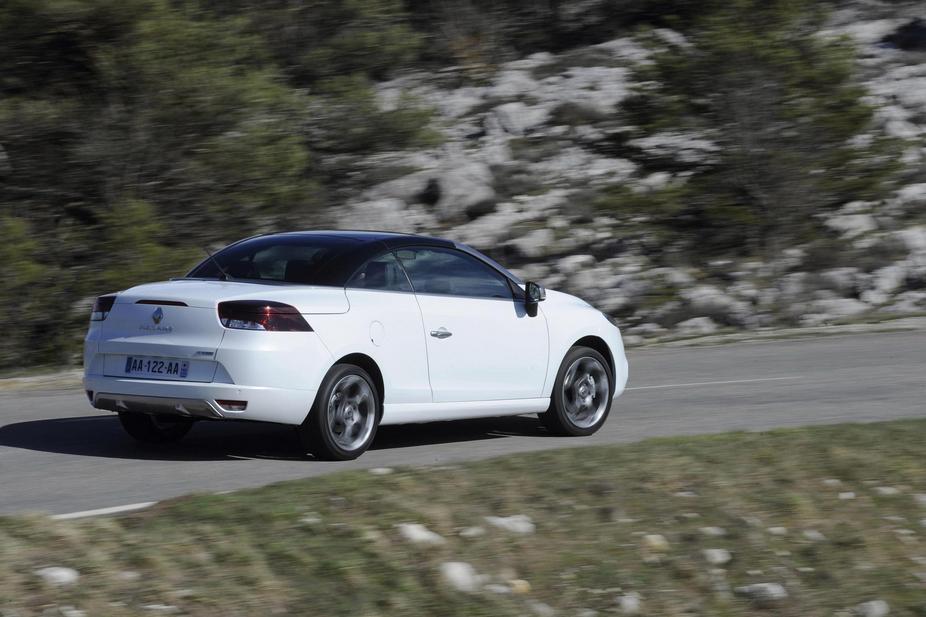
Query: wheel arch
(370, 366)
(598, 344)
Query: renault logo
(157, 315)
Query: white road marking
(104, 511)
(710, 383)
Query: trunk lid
(179, 319)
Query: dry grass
(329, 546)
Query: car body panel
(572, 319)
(492, 350)
(387, 327)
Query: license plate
(157, 367)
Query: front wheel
(155, 428)
(343, 420)
(581, 397)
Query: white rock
(814, 535)
(839, 307)
(847, 495)
(713, 532)
(654, 182)
(890, 278)
(912, 194)
(161, 609)
(711, 301)
(541, 609)
(872, 608)
(70, 611)
(832, 482)
(672, 37)
(868, 32)
(461, 576)
(843, 280)
(517, 523)
(497, 588)
(456, 103)
(717, 556)
(920, 499)
(908, 302)
(852, 225)
(58, 576)
(647, 330)
(385, 214)
(656, 542)
(472, 532)
(464, 185)
(764, 595)
(511, 84)
(575, 263)
(778, 531)
(697, 326)
(887, 491)
(535, 243)
(685, 147)
(625, 48)
(518, 119)
(381, 471)
(629, 603)
(419, 534)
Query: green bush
(781, 105)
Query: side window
(448, 272)
(383, 273)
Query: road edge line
(131, 507)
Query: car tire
(582, 394)
(343, 421)
(155, 429)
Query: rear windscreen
(291, 259)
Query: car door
(482, 345)
(385, 313)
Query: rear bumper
(282, 405)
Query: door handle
(441, 333)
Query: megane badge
(157, 315)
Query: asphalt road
(58, 455)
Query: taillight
(262, 315)
(101, 307)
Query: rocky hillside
(525, 149)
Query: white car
(339, 332)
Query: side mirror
(534, 293)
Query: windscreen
(300, 259)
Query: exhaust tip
(228, 405)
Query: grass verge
(833, 514)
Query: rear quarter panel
(387, 327)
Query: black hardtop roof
(390, 238)
(359, 246)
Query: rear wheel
(155, 428)
(581, 397)
(343, 420)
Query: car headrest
(374, 275)
(298, 271)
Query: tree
(779, 102)
(135, 128)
